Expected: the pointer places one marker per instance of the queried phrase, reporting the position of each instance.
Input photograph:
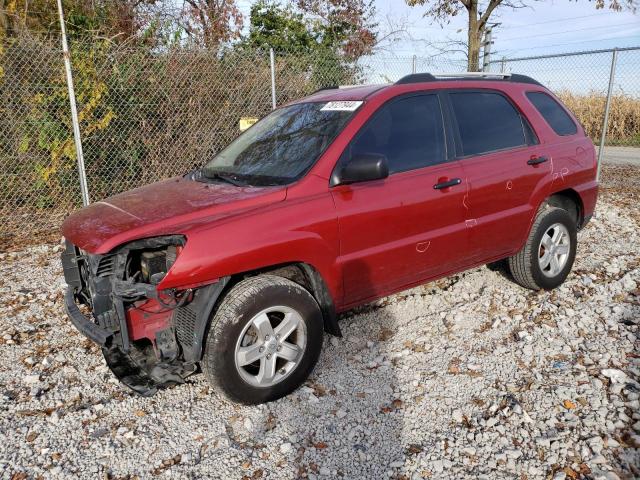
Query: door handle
(536, 160)
(449, 183)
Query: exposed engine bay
(149, 338)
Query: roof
(343, 93)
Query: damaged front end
(150, 338)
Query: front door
(410, 226)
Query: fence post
(413, 64)
(74, 111)
(273, 79)
(605, 121)
(503, 64)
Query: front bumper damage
(147, 342)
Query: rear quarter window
(557, 118)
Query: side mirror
(364, 167)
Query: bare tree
(479, 13)
(212, 22)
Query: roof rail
(332, 87)
(335, 87)
(416, 78)
(430, 77)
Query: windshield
(283, 146)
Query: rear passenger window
(487, 122)
(553, 113)
(409, 132)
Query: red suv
(335, 200)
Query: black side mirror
(364, 167)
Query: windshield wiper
(225, 177)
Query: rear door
(398, 231)
(504, 165)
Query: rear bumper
(93, 332)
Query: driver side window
(408, 131)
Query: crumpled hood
(169, 207)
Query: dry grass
(624, 116)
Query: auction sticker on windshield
(342, 106)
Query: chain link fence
(581, 80)
(148, 115)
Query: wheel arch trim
(215, 292)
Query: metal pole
(413, 64)
(273, 78)
(486, 57)
(605, 122)
(503, 64)
(74, 110)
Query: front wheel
(547, 257)
(264, 341)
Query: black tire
(524, 265)
(244, 301)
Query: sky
(544, 27)
(548, 26)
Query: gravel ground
(467, 377)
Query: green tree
(346, 25)
(114, 19)
(280, 28)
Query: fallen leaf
(31, 436)
(166, 464)
(454, 366)
(385, 334)
(569, 405)
(270, 423)
(140, 413)
(319, 390)
(414, 449)
(320, 445)
(584, 469)
(570, 472)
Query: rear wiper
(228, 178)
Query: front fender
(300, 232)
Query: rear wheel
(264, 341)
(546, 259)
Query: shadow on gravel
(501, 267)
(346, 420)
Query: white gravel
(467, 377)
